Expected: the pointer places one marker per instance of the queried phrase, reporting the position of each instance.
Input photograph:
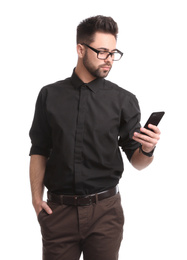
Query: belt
(82, 200)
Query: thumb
(46, 208)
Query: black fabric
(79, 128)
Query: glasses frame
(109, 53)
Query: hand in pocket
(42, 206)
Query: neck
(83, 73)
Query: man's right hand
(42, 205)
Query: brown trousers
(96, 230)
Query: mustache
(106, 65)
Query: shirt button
(84, 87)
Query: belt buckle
(83, 201)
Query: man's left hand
(149, 139)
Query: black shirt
(79, 128)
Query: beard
(96, 72)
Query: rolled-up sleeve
(40, 132)
(130, 123)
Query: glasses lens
(104, 55)
(116, 56)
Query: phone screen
(154, 119)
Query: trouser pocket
(43, 215)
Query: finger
(154, 128)
(147, 132)
(46, 208)
(150, 133)
(144, 139)
(150, 137)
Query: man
(78, 126)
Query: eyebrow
(105, 49)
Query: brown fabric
(96, 230)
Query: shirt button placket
(79, 140)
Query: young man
(78, 126)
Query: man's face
(96, 67)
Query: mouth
(106, 67)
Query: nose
(109, 59)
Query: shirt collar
(94, 85)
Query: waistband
(82, 200)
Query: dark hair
(88, 27)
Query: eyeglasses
(103, 55)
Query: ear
(80, 50)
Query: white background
(38, 47)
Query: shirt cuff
(39, 151)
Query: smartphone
(154, 119)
